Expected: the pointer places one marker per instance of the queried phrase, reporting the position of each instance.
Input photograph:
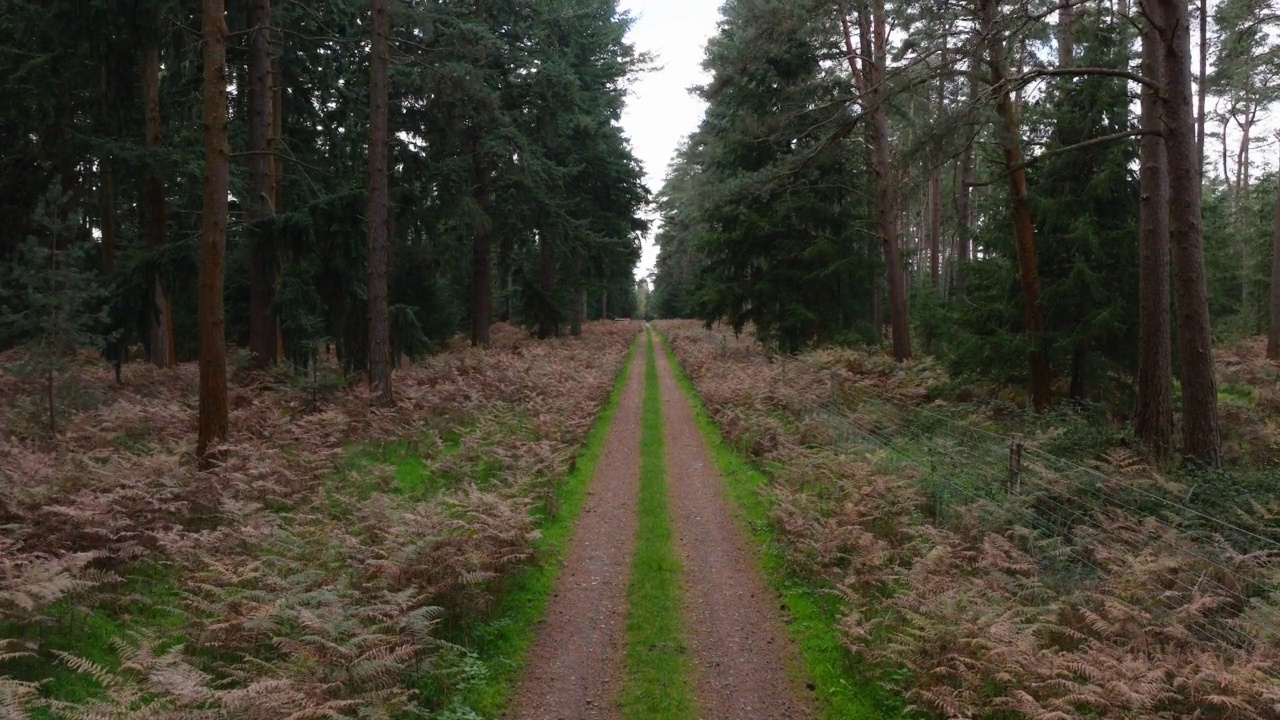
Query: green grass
(89, 632)
(836, 676)
(657, 685)
(409, 467)
(1236, 394)
(483, 674)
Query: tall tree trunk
(275, 142)
(872, 23)
(1079, 371)
(481, 262)
(213, 230)
(379, 322)
(579, 296)
(1154, 414)
(964, 220)
(1020, 212)
(1247, 311)
(107, 190)
(264, 274)
(1273, 330)
(964, 192)
(579, 311)
(1204, 70)
(1200, 435)
(935, 227)
(546, 286)
(604, 303)
(1066, 32)
(160, 316)
(108, 198)
(877, 309)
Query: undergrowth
(1086, 584)
(330, 565)
(500, 641)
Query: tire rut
(574, 667)
(743, 656)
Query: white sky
(660, 111)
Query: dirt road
(574, 668)
(745, 663)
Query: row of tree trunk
(264, 125)
(1172, 237)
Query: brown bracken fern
(1055, 602)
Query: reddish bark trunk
(276, 170)
(1200, 435)
(546, 284)
(213, 230)
(1204, 70)
(276, 166)
(264, 270)
(379, 321)
(153, 211)
(1020, 212)
(935, 227)
(1154, 416)
(873, 35)
(481, 260)
(1273, 329)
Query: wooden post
(1015, 465)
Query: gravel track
(743, 656)
(574, 668)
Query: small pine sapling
(53, 304)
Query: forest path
(743, 659)
(743, 656)
(574, 667)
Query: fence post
(1015, 465)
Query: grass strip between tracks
(658, 682)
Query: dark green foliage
(1225, 236)
(763, 216)
(504, 118)
(1085, 205)
(50, 300)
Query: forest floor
(512, 539)
(986, 561)
(634, 524)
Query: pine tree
(1201, 439)
(213, 235)
(379, 318)
(264, 271)
(1154, 415)
(51, 301)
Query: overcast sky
(660, 111)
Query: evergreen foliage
(504, 116)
